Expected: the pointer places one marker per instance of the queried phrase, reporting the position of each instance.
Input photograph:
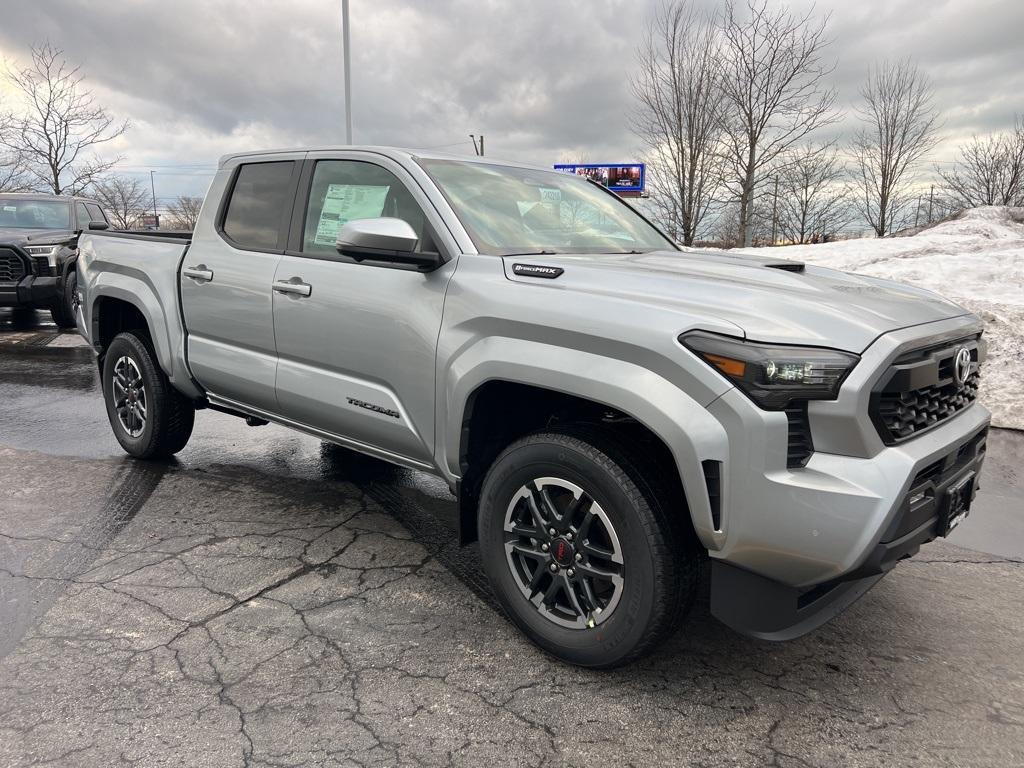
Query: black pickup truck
(38, 250)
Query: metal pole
(348, 72)
(152, 187)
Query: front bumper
(20, 283)
(30, 291)
(771, 610)
(797, 545)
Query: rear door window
(260, 204)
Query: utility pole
(348, 71)
(917, 211)
(476, 149)
(481, 145)
(152, 187)
(931, 199)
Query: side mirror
(98, 225)
(384, 239)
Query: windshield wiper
(532, 253)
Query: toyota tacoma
(611, 412)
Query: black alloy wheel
(586, 546)
(564, 553)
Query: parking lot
(269, 600)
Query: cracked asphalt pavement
(267, 600)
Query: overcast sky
(543, 80)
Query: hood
(31, 236)
(771, 300)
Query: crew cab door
(226, 281)
(357, 340)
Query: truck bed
(140, 268)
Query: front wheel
(582, 551)
(64, 312)
(149, 417)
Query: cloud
(542, 80)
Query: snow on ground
(976, 260)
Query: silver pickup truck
(611, 412)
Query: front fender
(683, 423)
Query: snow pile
(976, 260)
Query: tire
(657, 569)
(164, 423)
(63, 313)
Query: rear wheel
(149, 417)
(581, 550)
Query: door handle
(199, 272)
(295, 286)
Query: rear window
(260, 202)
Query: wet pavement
(268, 600)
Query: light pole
(152, 187)
(348, 73)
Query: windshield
(511, 211)
(26, 213)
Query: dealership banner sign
(618, 177)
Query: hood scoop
(787, 266)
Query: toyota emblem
(962, 365)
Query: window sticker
(345, 202)
(550, 195)
(10, 208)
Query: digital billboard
(618, 177)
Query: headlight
(49, 251)
(772, 375)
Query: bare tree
(14, 176)
(989, 171)
(184, 212)
(679, 121)
(813, 197)
(900, 128)
(774, 96)
(123, 197)
(61, 126)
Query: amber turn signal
(727, 365)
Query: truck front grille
(922, 390)
(12, 268)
